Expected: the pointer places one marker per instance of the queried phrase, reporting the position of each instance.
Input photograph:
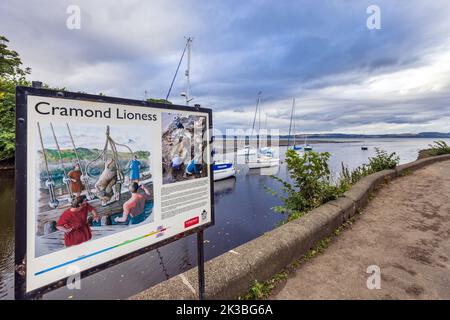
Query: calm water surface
(243, 212)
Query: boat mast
(256, 111)
(187, 73)
(265, 124)
(290, 122)
(259, 120)
(293, 112)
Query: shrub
(312, 184)
(439, 147)
(311, 187)
(382, 161)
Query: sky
(83, 134)
(345, 77)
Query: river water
(242, 211)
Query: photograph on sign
(183, 147)
(100, 181)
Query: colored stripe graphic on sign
(100, 251)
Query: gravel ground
(405, 230)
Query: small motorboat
(263, 162)
(364, 148)
(307, 147)
(223, 170)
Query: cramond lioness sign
(100, 180)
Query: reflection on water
(242, 213)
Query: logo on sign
(191, 222)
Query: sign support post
(201, 265)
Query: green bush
(439, 147)
(312, 184)
(382, 161)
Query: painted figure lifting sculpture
(106, 186)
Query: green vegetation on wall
(312, 183)
(439, 148)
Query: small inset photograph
(94, 181)
(183, 147)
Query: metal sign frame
(21, 191)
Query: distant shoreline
(284, 142)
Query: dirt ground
(405, 230)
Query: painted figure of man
(135, 167)
(133, 209)
(74, 222)
(75, 180)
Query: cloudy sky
(345, 77)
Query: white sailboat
(267, 151)
(297, 148)
(263, 162)
(248, 150)
(266, 159)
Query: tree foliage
(12, 74)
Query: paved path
(405, 230)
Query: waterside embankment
(230, 275)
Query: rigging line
(74, 148)
(66, 180)
(84, 176)
(57, 147)
(98, 157)
(176, 72)
(44, 153)
(53, 203)
(290, 122)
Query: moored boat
(223, 170)
(263, 162)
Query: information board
(100, 180)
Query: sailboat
(263, 159)
(364, 147)
(307, 147)
(247, 150)
(294, 147)
(267, 151)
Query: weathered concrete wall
(231, 274)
